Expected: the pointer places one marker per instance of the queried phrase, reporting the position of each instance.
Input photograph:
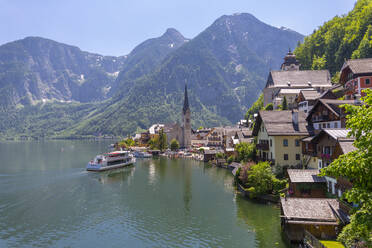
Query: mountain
(146, 56)
(34, 69)
(225, 68)
(343, 37)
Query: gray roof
(332, 104)
(308, 139)
(280, 123)
(310, 94)
(359, 66)
(309, 78)
(305, 176)
(317, 209)
(337, 133)
(347, 146)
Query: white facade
(327, 124)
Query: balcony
(321, 118)
(262, 146)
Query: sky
(115, 27)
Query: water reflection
(264, 222)
(116, 176)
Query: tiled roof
(280, 123)
(332, 104)
(305, 176)
(310, 94)
(359, 66)
(317, 209)
(337, 133)
(347, 146)
(309, 78)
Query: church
(182, 133)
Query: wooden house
(327, 113)
(306, 183)
(319, 216)
(355, 76)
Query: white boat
(111, 160)
(139, 154)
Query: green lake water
(47, 199)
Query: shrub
(230, 159)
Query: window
(324, 125)
(320, 164)
(271, 143)
(367, 81)
(336, 125)
(297, 156)
(285, 156)
(297, 142)
(285, 142)
(328, 125)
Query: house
(355, 76)
(326, 142)
(343, 146)
(307, 98)
(306, 183)
(155, 129)
(290, 77)
(210, 154)
(279, 135)
(216, 137)
(199, 138)
(327, 113)
(318, 216)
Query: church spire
(185, 101)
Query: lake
(47, 199)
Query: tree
(162, 142)
(269, 107)
(201, 128)
(342, 37)
(256, 106)
(220, 155)
(357, 167)
(284, 105)
(259, 179)
(319, 63)
(365, 47)
(246, 151)
(174, 145)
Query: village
(299, 130)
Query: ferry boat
(111, 160)
(139, 154)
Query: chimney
(295, 119)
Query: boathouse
(306, 183)
(318, 216)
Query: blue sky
(115, 27)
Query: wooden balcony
(262, 146)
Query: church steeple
(185, 101)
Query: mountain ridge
(225, 67)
